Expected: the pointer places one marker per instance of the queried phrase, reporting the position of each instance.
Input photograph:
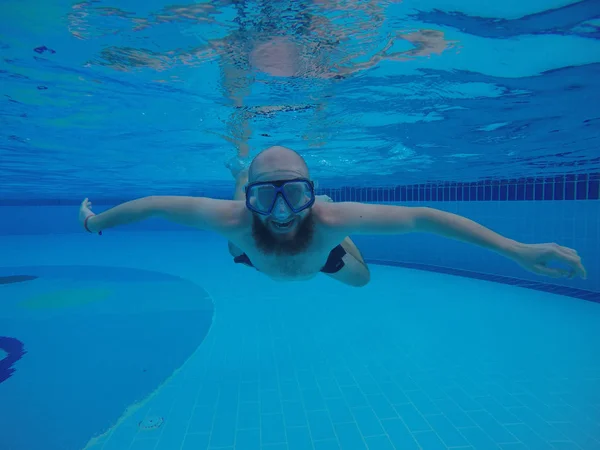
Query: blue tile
(409, 193)
(520, 195)
(559, 188)
(379, 443)
(452, 190)
(429, 440)
(500, 413)
(454, 413)
(393, 393)
(272, 447)
(367, 421)
(465, 401)
(512, 192)
(560, 445)
(329, 444)
(354, 396)
(549, 190)
(381, 406)
(528, 437)
(529, 191)
(329, 388)
(495, 191)
(313, 400)
(248, 415)
(339, 410)
(320, 425)
(249, 392)
(299, 438)
(445, 193)
(272, 429)
(359, 194)
(196, 441)
(503, 192)
(446, 431)
(543, 429)
(412, 417)
(399, 434)
(422, 402)
(538, 192)
(223, 432)
(247, 439)
(428, 193)
(270, 402)
(569, 190)
(477, 438)
(593, 190)
(144, 444)
(480, 191)
(581, 187)
(290, 391)
(208, 395)
(370, 388)
(402, 193)
(344, 377)
(202, 420)
(294, 414)
(491, 427)
(487, 192)
(349, 436)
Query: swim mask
(299, 194)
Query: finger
(572, 259)
(550, 272)
(568, 251)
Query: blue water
(154, 98)
(149, 337)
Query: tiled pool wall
(562, 209)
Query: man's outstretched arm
(199, 212)
(359, 218)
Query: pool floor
(414, 360)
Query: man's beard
(272, 244)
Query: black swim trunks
(334, 262)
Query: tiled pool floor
(414, 360)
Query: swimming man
(276, 224)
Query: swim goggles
(299, 194)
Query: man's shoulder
(329, 216)
(234, 213)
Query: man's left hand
(536, 257)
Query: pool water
(415, 359)
(150, 337)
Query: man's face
(282, 228)
(286, 233)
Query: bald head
(277, 163)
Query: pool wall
(565, 212)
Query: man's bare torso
(301, 266)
